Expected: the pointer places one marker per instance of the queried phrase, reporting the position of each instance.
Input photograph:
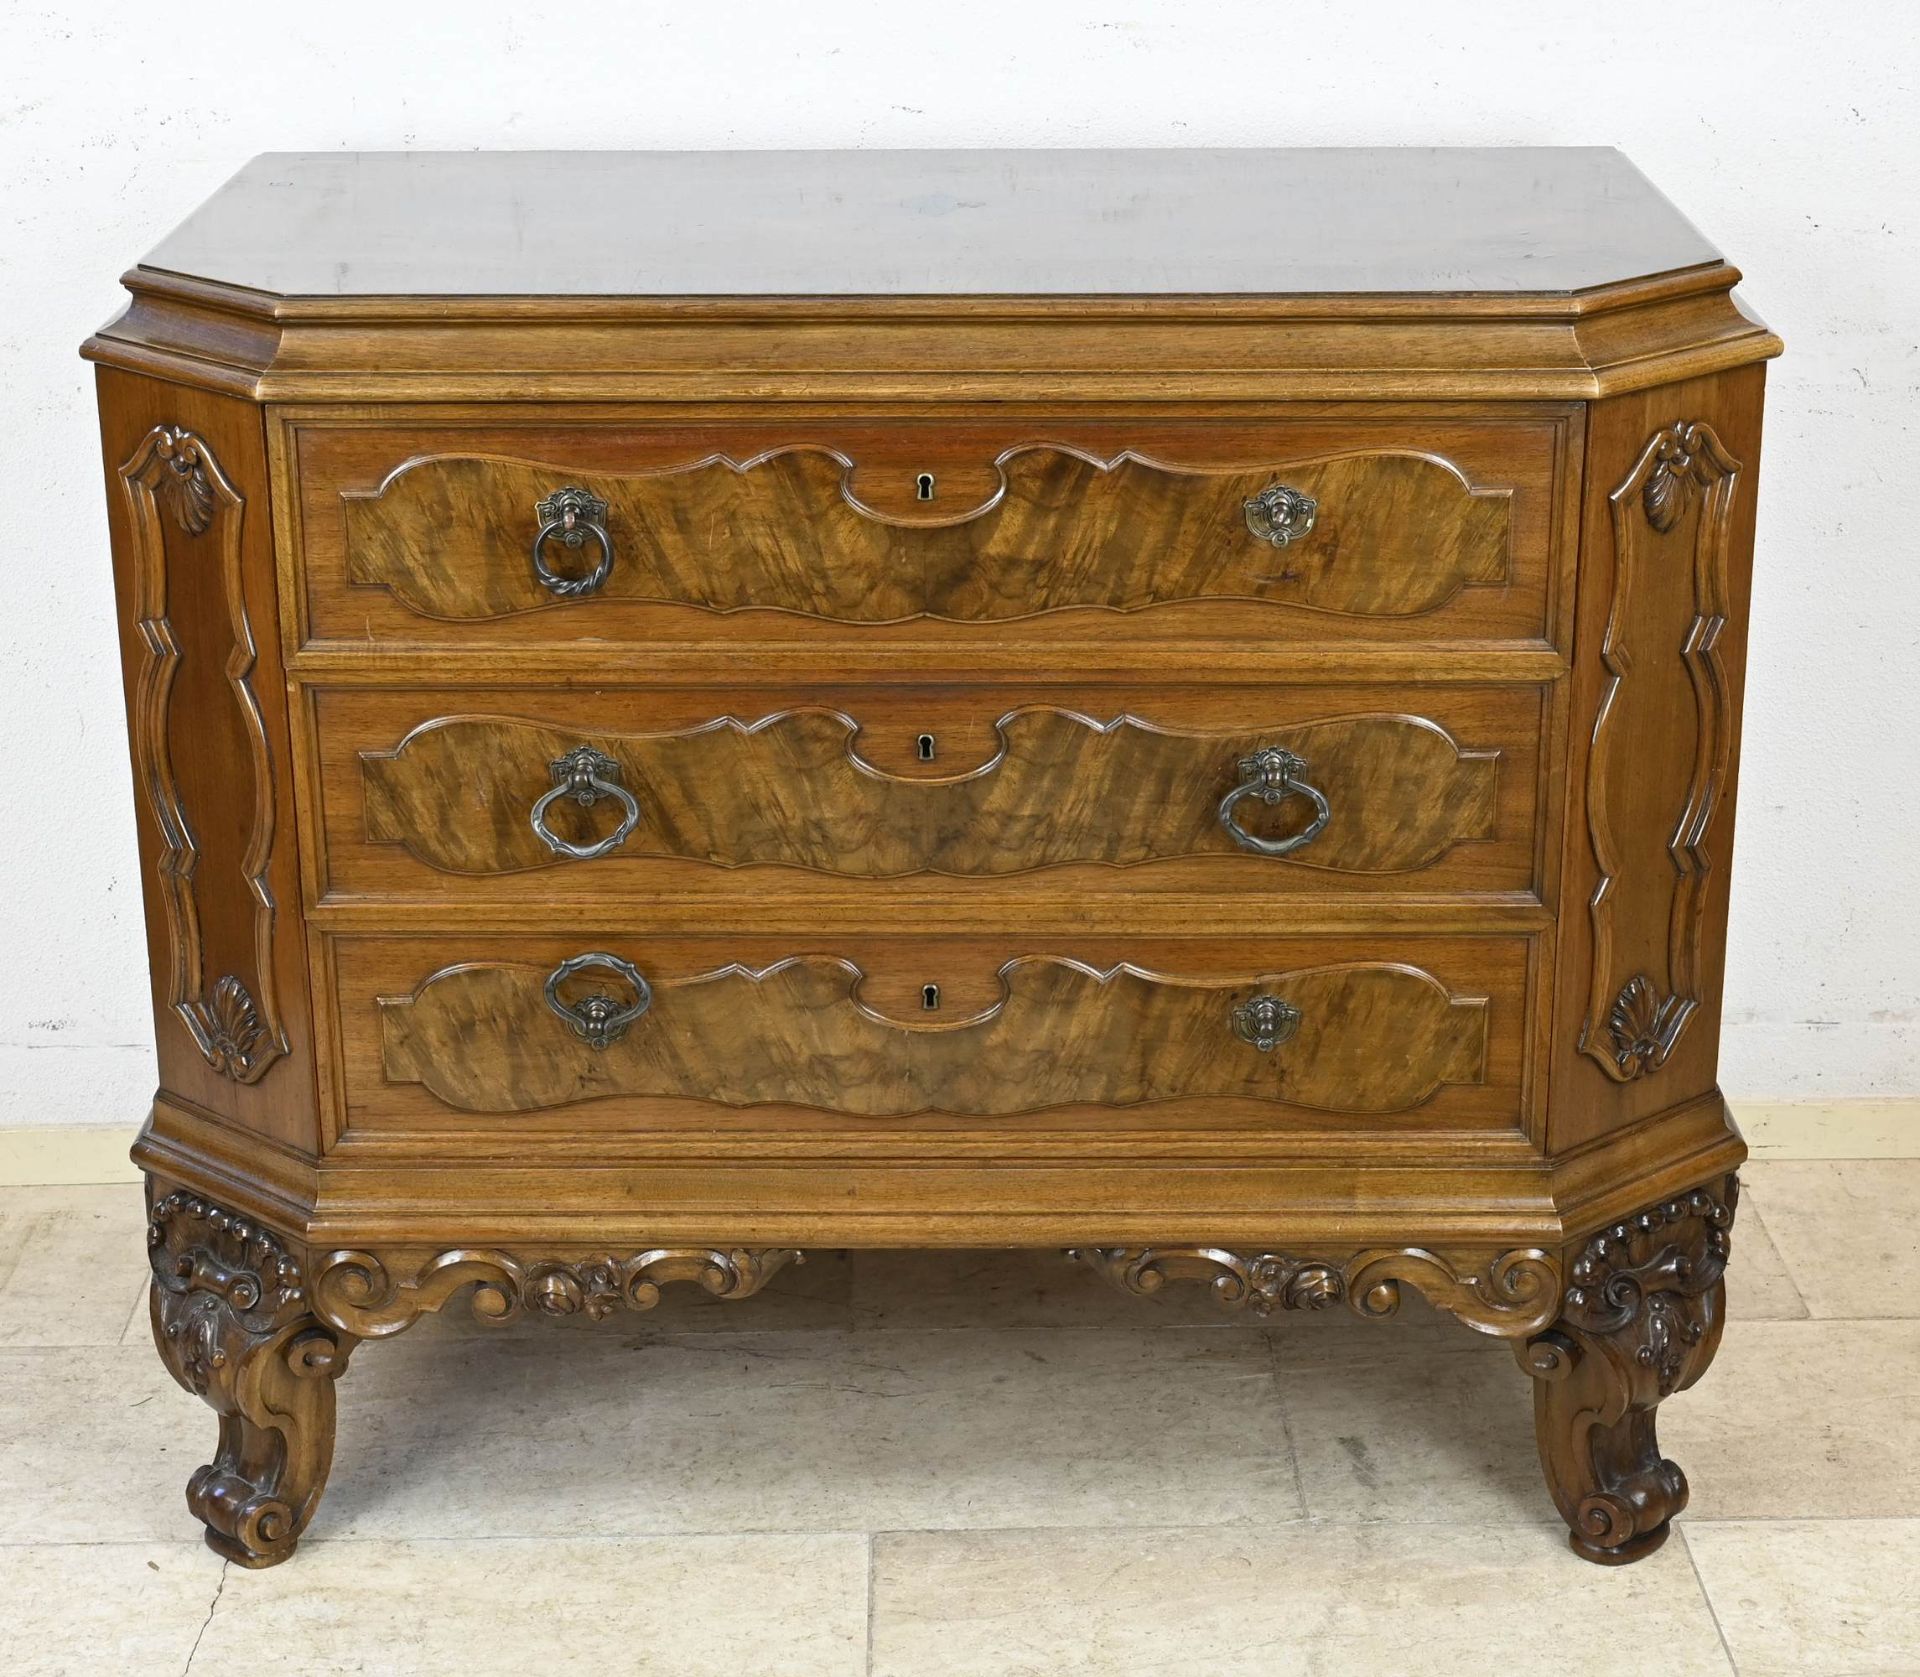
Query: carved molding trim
(357, 1293)
(1633, 1022)
(1641, 1319)
(232, 1321)
(1517, 1295)
(173, 478)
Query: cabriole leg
(231, 1320)
(1640, 1320)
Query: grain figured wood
(1058, 529)
(1655, 749)
(483, 1038)
(1046, 524)
(198, 618)
(776, 1035)
(1060, 787)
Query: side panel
(187, 493)
(1660, 660)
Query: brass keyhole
(923, 486)
(926, 748)
(930, 996)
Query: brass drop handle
(1279, 514)
(599, 1020)
(1273, 774)
(572, 517)
(586, 776)
(1265, 1022)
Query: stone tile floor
(902, 1464)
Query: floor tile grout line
(1545, 1523)
(1286, 1420)
(1759, 1216)
(219, 1589)
(872, 1539)
(1706, 1595)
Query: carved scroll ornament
(1642, 1316)
(1517, 1294)
(233, 1322)
(357, 1292)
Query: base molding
(439, 1198)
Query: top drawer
(1343, 531)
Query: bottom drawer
(614, 1030)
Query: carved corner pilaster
(233, 1323)
(359, 1294)
(179, 502)
(1516, 1294)
(1641, 1319)
(1649, 811)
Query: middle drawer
(534, 795)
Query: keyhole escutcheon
(930, 996)
(923, 486)
(926, 748)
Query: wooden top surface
(1381, 221)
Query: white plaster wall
(1789, 132)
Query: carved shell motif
(234, 1034)
(185, 490)
(1633, 1024)
(1680, 466)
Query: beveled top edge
(1136, 226)
(1716, 276)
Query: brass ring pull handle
(1281, 515)
(598, 1020)
(1265, 1022)
(572, 516)
(1272, 774)
(586, 776)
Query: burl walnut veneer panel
(708, 533)
(888, 783)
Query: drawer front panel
(1370, 531)
(711, 1032)
(534, 793)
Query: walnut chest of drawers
(1178, 706)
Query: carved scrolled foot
(232, 1323)
(1640, 1320)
